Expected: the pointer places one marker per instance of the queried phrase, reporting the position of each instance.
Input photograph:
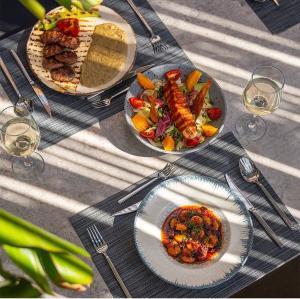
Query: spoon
(251, 174)
(23, 106)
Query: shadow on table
(277, 18)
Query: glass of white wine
(20, 137)
(261, 96)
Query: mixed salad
(173, 113)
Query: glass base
(250, 127)
(28, 168)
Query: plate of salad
(175, 108)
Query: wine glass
(20, 137)
(261, 96)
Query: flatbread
(106, 55)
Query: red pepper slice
(136, 103)
(149, 133)
(199, 101)
(69, 26)
(214, 113)
(173, 74)
(153, 111)
(193, 142)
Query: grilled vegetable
(136, 103)
(192, 78)
(149, 133)
(199, 101)
(69, 26)
(144, 81)
(173, 74)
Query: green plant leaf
(27, 259)
(66, 270)
(21, 288)
(66, 3)
(34, 7)
(20, 233)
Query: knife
(126, 77)
(128, 210)
(253, 210)
(38, 91)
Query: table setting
(207, 224)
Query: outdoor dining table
(86, 165)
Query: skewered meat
(67, 57)
(63, 74)
(180, 111)
(51, 50)
(69, 42)
(51, 37)
(51, 63)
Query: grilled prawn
(180, 111)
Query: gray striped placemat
(219, 157)
(70, 113)
(277, 18)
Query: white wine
(20, 137)
(261, 96)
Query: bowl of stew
(192, 232)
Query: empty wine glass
(20, 137)
(261, 96)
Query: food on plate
(209, 130)
(51, 50)
(67, 57)
(179, 109)
(144, 81)
(51, 37)
(192, 79)
(106, 55)
(64, 74)
(174, 115)
(51, 63)
(192, 234)
(69, 26)
(69, 42)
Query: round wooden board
(34, 51)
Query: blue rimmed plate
(190, 190)
(157, 72)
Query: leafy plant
(43, 257)
(38, 10)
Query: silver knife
(38, 91)
(126, 77)
(128, 210)
(253, 210)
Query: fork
(100, 103)
(101, 247)
(155, 39)
(165, 173)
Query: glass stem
(27, 162)
(252, 123)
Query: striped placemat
(70, 113)
(219, 157)
(277, 18)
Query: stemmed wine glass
(20, 137)
(261, 96)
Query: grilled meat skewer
(67, 57)
(51, 63)
(52, 50)
(63, 74)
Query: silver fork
(101, 247)
(165, 173)
(100, 103)
(155, 39)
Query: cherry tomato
(193, 142)
(173, 74)
(69, 26)
(214, 113)
(136, 103)
(150, 134)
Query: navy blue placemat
(219, 157)
(70, 113)
(277, 18)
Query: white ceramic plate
(35, 47)
(191, 190)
